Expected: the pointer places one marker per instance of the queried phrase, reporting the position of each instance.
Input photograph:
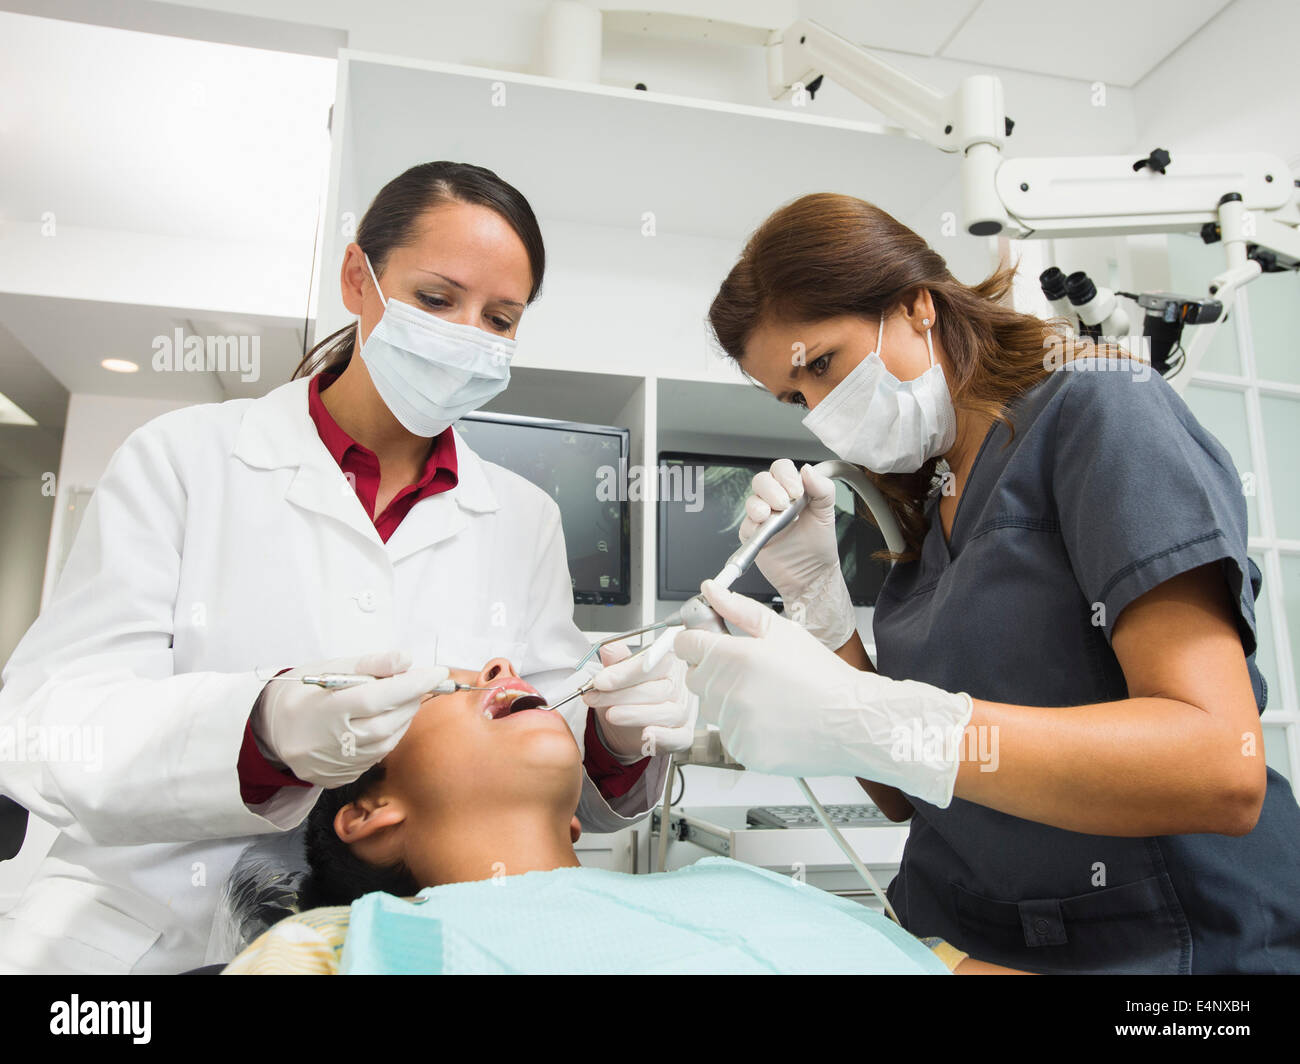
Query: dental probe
(696, 613)
(338, 681)
(576, 694)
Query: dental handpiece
(697, 613)
(743, 557)
(834, 469)
(735, 566)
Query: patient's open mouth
(508, 703)
(512, 696)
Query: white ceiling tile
(897, 27)
(1113, 41)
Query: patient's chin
(548, 771)
(551, 748)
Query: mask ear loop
(929, 343)
(382, 300)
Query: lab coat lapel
(441, 516)
(278, 433)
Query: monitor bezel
(594, 597)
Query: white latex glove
(330, 738)
(803, 561)
(640, 712)
(787, 705)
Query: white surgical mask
(875, 420)
(430, 372)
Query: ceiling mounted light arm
(971, 120)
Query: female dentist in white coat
(322, 526)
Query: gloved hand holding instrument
(329, 731)
(641, 703)
(802, 562)
(787, 705)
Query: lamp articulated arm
(1249, 201)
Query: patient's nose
(495, 669)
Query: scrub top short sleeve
(1106, 488)
(1144, 493)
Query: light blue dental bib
(715, 916)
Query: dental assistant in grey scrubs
(1064, 700)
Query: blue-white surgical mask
(873, 419)
(430, 372)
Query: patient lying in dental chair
(455, 855)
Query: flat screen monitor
(699, 528)
(569, 461)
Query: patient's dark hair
(337, 875)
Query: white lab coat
(222, 539)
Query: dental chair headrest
(263, 888)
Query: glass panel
(1274, 301)
(1223, 413)
(1191, 265)
(1281, 418)
(1265, 655)
(1291, 601)
(1276, 754)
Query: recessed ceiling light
(119, 365)
(12, 414)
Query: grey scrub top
(1109, 488)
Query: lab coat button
(366, 601)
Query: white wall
(25, 514)
(1234, 86)
(97, 425)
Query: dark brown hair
(827, 255)
(390, 222)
